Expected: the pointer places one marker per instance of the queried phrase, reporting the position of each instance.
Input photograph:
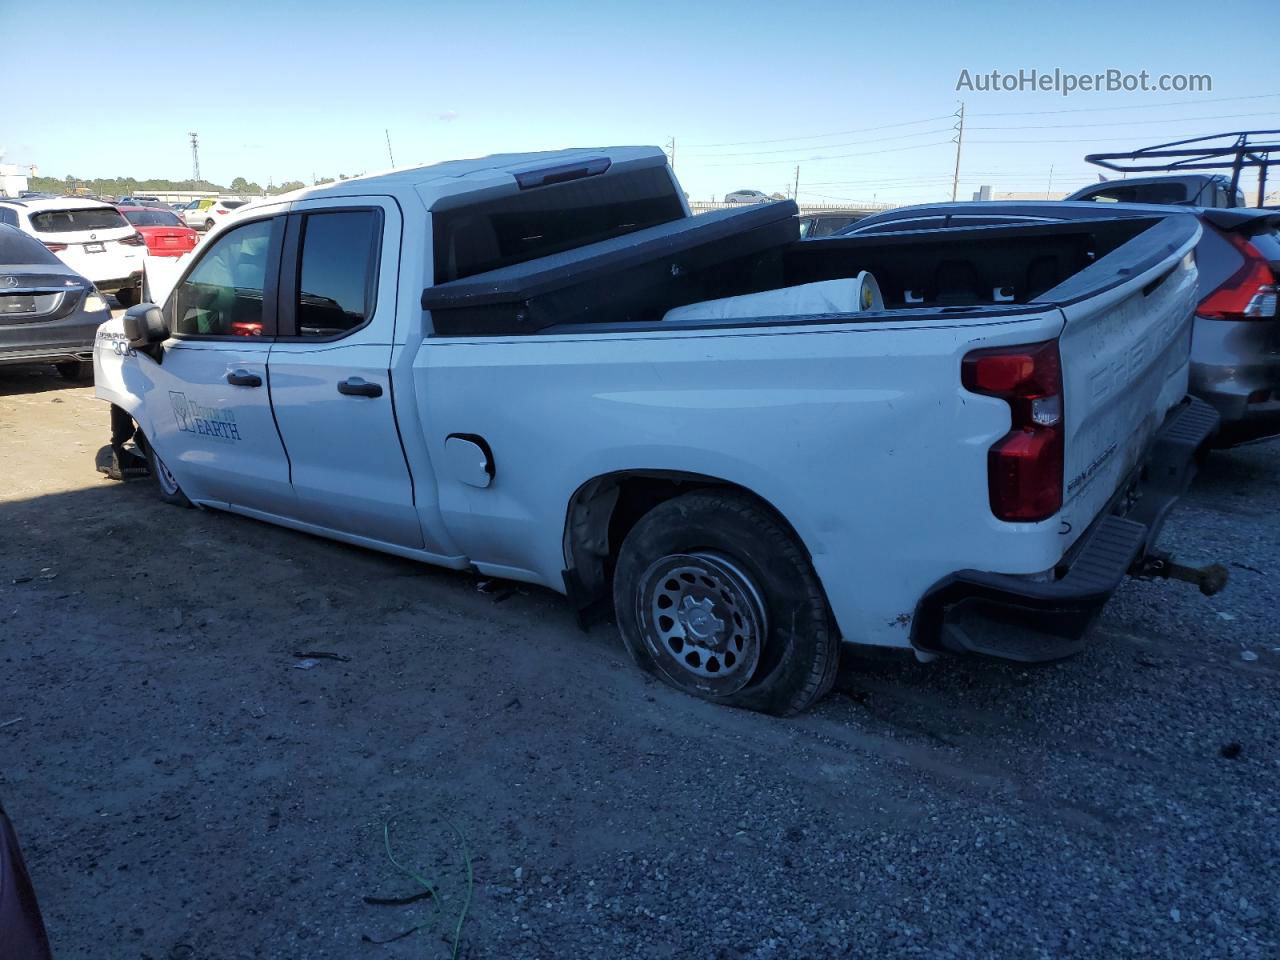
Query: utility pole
(390, 155)
(959, 142)
(795, 193)
(1048, 194)
(195, 156)
(672, 147)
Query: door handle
(357, 387)
(243, 378)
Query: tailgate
(1125, 351)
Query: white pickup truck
(494, 365)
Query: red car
(163, 230)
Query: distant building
(1030, 195)
(13, 179)
(986, 193)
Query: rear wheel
(714, 595)
(78, 370)
(166, 483)
(208, 224)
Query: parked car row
(90, 236)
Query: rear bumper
(1048, 617)
(70, 338)
(119, 283)
(1235, 367)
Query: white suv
(91, 237)
(203, 214)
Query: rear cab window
(534, 223)
(74, 221)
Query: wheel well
(602, 512)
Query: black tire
(127, 296)
(166, 486)
(80, 371)
(208, 225)
(742, 557)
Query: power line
(971, 175)
(1086, 140)
(824, 146)
(1126, 123)
(841, 156)
(1136, 106)
(834, 133)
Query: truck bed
(632, 281)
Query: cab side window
(225, 294)
(337, 271)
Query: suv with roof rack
(91, 237)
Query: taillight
(220, 211)
(1249, 293)
(56, 247)
(246, 328)
(1024, 467)
(134, 240)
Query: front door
(329, 369)
(210, 407)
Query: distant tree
(239, 185)
(287, 187)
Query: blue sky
(748, 90)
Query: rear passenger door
(329, 369)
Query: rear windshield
(17, 249)
(153, 218)
(232, 204)
(71, 221)
(545, 220)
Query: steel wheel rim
(703, 622)
(167, 483)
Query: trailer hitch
(1210, 579)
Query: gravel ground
(184, 791)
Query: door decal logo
(209, 422)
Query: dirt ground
(184, 790)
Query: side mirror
(144, 325)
